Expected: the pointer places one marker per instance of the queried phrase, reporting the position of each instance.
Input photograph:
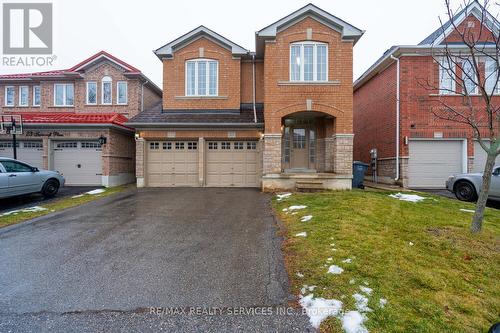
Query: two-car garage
(215, 164)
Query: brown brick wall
(229, 78)
(247, 79)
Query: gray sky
(132, 31)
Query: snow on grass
(318, 309)
(347, 261)
(33, 209)
(352, 322)
(297, 207)
(283, 196)
(467, 210)
(329, 259)
(407, 197)
(93, 192)
(305, 288)
(361, 303)
(382, 302)
(411, 243)
(300, 275)
(366, 290)
(301, 234)
(334, 269)
(306, 218)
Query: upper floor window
(492, 82)
(469, 78)
(9, 96)
(107, 91)
(121, 92)
(202, 77)
(446, 77)
(63, 94)
(91, 95)
(23, 95)
(37, 96)
(309, 61)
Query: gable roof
(167, 50)
(103, 55)
(474, 8)
(347, 30)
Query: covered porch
(307, 154)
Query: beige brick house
(74, 119)
(276, 118)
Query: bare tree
(469, 68)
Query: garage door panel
(30, 152)
(80, 162)
(433, 161)
(480, 157)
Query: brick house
(66, 112)
(277, 118)
(393, 110)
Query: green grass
(57, 205)
(447, 281)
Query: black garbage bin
(358, 174)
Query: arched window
(202, 77)
(309, 61)
(107, 90)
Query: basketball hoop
(11, 124)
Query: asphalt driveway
(104, 264)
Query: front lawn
(16, 216)
(416, 263)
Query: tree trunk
(477, 220)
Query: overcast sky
(130, 30)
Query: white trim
(27, 96)
(64, 94)
(207, 77)
(99, 57)
(13, 96)
(40, 92)
(465, 158)
(118, 92)
(87, 92)
(314, 63)
(107, 79)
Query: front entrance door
(299, 152)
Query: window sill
(200, 97)
(309, 83)
(62, 106)
(456, 95)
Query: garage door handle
(12, 175)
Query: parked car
(17, 178)
(467, 186)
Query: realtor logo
(27, 28)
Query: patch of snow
(33, 209)
(329, 259)
(334, 269)
(96, 191)
(366, 283)
(301, 234)
(283, 196)
(284, 210)
(294, 213)
(382, 302)
(347, 261)
(334, 249)
(407, 197)
(352, 322)
(366, 290)
(300, 275)
(297, 207)
(306, 218)
(318, 309)
(411, 243)
(361, 303)
(352, 281)
(467, 210)
(77, 196)
(332, 244)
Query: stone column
(140, 158)
(45, 154)
(272, 154)
(342, 153)
(201, 161)
(329, 154)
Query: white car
(467, 186)
(18, 178)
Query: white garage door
(80, 162)
(480, 158)
(172, 163)
(433, 161)
(27, 151)
(232, 164)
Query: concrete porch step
(309, 185)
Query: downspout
(253, 89)
(397, 114)
(142, 95)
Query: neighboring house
(276, 118)
(423, 151)
(66, 112)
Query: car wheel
(465, 191)
(50, 188)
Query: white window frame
(315, 61)
(64, 94)
(27, 88)
(118, 92)
(443, 63)
(207, 78)
(34, 94)
(87, 92)
(104, 80)
(464, 78)
(13, 96)
(490, 76)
